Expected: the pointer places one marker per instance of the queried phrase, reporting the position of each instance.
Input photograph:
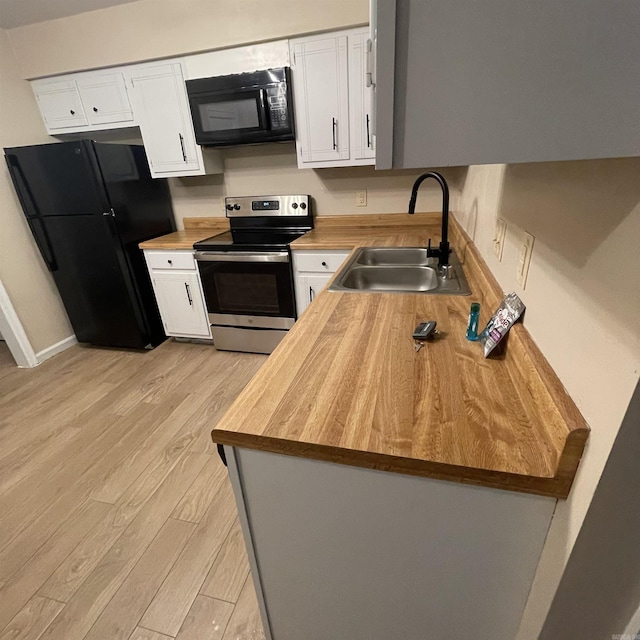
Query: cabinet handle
(311, 294)
(184, 155)
(333, 131)
(323, 263)
(170, 261)
(186, 286)
(95, 109)
(72, 112)
(368, 137)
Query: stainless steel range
(246, 272)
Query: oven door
(248, 289)
(226, 117)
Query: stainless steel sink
(399, 270)
(390, 256)
(412, 278)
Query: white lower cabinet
(312, 270)
(178, 291)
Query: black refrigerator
(89, 205)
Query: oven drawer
(170, 259)
(319, 261)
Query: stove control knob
(236, 207)
(303, 205)
(294, 205)
(229, 207)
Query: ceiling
(15, 13)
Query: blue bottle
(474, 317)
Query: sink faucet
(442, 253)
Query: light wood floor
(7, 363)
(117, 519)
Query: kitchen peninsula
(386, 492)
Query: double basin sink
(400, 270)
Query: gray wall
(600, 589)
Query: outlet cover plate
(361, 198)
(524, 258)
(498, 238)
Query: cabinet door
(308, 286)
(519, 82)
(360, 97)
(60, 104)
(162, 111)
(321, 88)
(105, 99)
(181, 304)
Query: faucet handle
(431, 253)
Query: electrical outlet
(361, 198)
(524, 258)
(498, 238)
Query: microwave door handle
(262, 110)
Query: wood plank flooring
(117, 519)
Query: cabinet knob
(95, 109)
(324, 264)
(170, 261)
(72, 112)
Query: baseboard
(14, 334)
(56, 348)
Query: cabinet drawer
(319, 261)
(170, 260)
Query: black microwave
(244, 108)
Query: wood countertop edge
(577, 428)
(552, 487)
(195, 229)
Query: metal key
(417, 346)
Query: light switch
(524, 258)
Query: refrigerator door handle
(32, 213)
(22, 186)
(41, 237)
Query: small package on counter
(508, 312)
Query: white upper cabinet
(332, 101)
(162, 113)
(60, 104)
(105, 98)
(151, 96)
(321, 94)
(93, 101)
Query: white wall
(22, 270)
(583, 305)
(150, 29)
(272, 169)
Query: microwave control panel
(278, 112)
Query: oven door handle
(241, 256)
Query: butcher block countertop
(195, 229)
(347, 386)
